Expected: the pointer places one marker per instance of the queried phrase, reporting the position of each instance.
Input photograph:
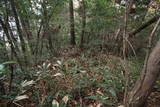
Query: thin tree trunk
(36, 50)
(83, 22)
(72, 31)
(127, 10)
(12, 72)
(45, 26)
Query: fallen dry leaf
(55, 103)
(57, 74)
(65, 99)
(22, 97)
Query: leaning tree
(151, 70)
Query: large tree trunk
(72, 31)
(144, 84)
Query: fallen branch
(143, 26)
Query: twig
(131, 46)
(12, 73)
(17, 104)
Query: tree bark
(72, 31)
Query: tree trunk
(18, 25)
(36, 50)
(83, 22)
(72, 31)
(27, 29)
(45, 26)
(144, 84)
(8, 27)
(11, 43)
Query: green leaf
(93, 97)
(100, 99)
(107, 102)
(1, 67)
(55, 103)
(113, 92)
(9, 62)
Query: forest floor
(76, 78)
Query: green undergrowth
(82, 79)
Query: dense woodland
(79, 53)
